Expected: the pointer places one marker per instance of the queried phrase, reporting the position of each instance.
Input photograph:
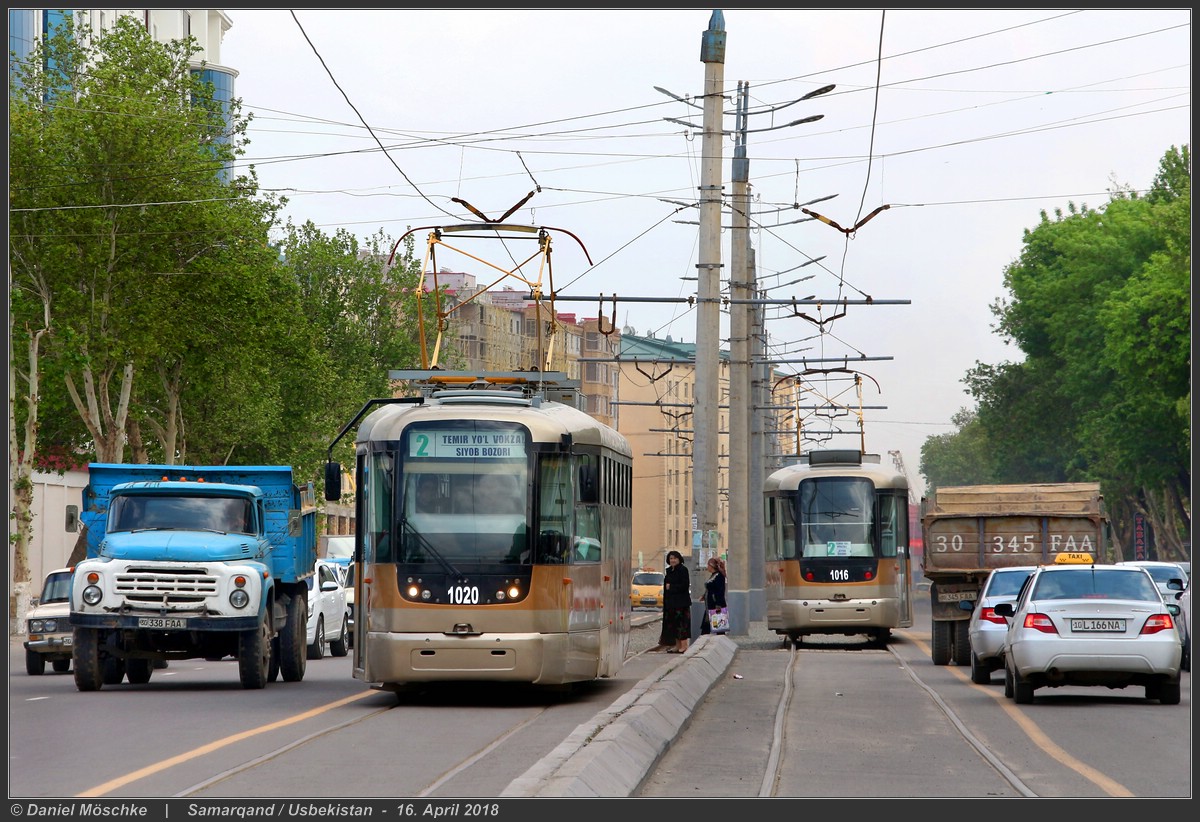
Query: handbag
(718, 620)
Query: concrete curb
(612, 753)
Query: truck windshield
(189, 513)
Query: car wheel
(941, 643)
(1022, 691)
(981, 674)
(1185, 661)
(61, 665)
(338, 647)
(317, 649)
(1168, 693)
(35, 663)
(1008, 682)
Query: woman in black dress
(714, 591)
(677, 604)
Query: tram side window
(378, 483)
(556, 507)
(893, 524)
(587, 534)
(785, 528)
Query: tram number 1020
(463, 595)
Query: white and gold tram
(493, 535)
(836, 547)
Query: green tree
(1099, 305)
(118, 209)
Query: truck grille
(161, 587)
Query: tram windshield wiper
(427, 546)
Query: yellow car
(647, 590)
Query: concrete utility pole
(708, 311)
(743, 488)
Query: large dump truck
(969, 530)
(188, 562)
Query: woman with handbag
(714, 595)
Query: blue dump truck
(188, 562)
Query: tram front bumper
(829, 616)
(398, 658)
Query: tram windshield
(462, 496)
(836, 517)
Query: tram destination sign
(471, 445)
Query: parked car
(986, 628)
(328, 625)
(338, 549)
(1184, 600)
(48, 628)
(1090, 624)
(348, 584)
(647, 589)
(1163, 573)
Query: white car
(986, 628)
(1184, 600)
(1163, 573)
(1091, 624)
(49, 635)
(328, 625)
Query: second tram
(836, 547)
(493, 537)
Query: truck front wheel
(254, 655)
(85, 657)
(112, 670)
(293, 650)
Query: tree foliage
(153, 319)
(1099, 304)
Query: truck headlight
(92, 595)
(239, 599)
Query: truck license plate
(162, 623)
(955, 596)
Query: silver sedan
(986, 629)
(1091, 624)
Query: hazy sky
(967, 123)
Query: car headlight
(92, 595)
(50, 625)
(35, 626)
